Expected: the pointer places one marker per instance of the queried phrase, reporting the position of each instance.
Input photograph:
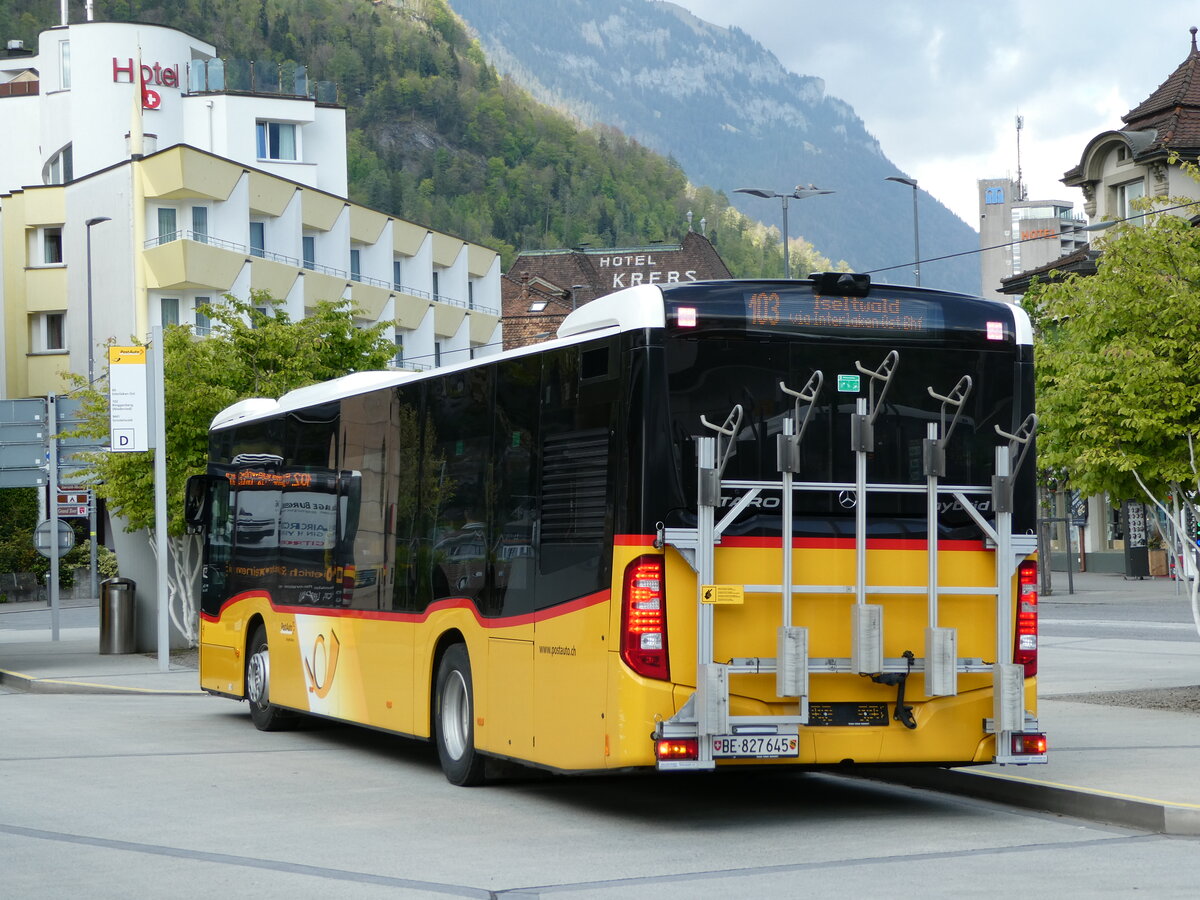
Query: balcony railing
(289, 79)
(201, 237)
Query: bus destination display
(815, 312)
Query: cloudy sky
(940, 82)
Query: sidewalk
(1119, 764)
(30, 661)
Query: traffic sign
(74, 504)
(72, 469)
(22, 442)
(41, 537)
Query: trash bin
(117, 634)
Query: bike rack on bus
(706, 712)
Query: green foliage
(18, 518)
(437, 138)
(1118, 371)
(250, 353)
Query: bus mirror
(195, 503)
(841, 284)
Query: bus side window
(576, 502)
(460, 406)
(413, 469)
(514, 522)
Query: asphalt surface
(1119, 682)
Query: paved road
(148, 796)
(1150, 609)
(118, 796)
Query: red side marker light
(1029, 744)
(677, 748)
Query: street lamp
(912, 183)
(91, 349)
(800, 193)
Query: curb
(31, 684)
(1143, 813)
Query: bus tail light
(1025, 649)
(644, 618)
(676, 748)
(1030, 744)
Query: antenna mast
(1020, 186)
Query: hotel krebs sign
(157, 75)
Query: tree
(255, 350)
(1118, 371)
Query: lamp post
(912, 183)
(800, 193)
(91, 349)
(91, 354)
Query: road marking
(1125, 626)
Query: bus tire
(265, 715)
(454, 719)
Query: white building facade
(200, 177)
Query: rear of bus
(728, 347)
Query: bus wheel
(258, 687)
(454, 719)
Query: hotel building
(125, 205)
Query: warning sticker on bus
(755, 746)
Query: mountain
(725, 108)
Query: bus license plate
(757, 746)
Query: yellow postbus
(773, 523)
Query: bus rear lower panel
(949, 730)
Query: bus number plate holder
(755, 746)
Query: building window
(436, 292)
(203, 323)
(258, 239)
(470, 295)
(396, 272)
(61, 168)
(52, 246)
(47, 332)
(437, 353)
(168, 311)
(537, 305)
(168, 228)
(64, 64)
(355, 265)
(200, 224)
(277, 140)
(398, 361)
(1127, 194)
(310, 251)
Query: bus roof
(647, 305)
(631, 309)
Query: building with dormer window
(1116, 169)
(1119, 167)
